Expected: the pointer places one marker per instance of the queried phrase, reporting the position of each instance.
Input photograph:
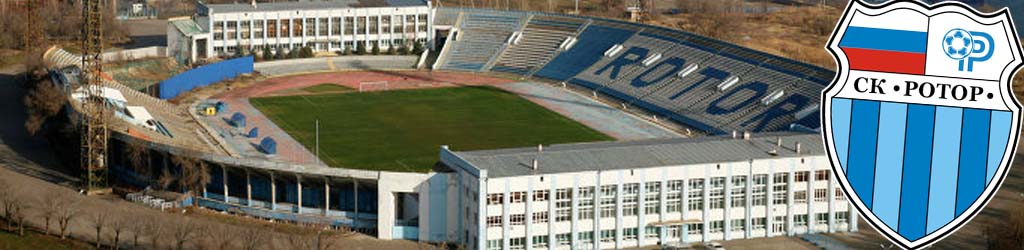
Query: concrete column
(662, 207)
(366, 40)
(327, 196)
(529, 214)
(224, 171)
(641, 209)
(750, 200)
(789, 202)
(726, 219)
(552, 195)
(575, 209)
(248, 188)
(770, 203)
(265, 42)
(618, 209)
(811, 220)
(831, 203)
(852, 211)
(298, 183)
(707, 201)
(330, 20)
(505, 216)
(684, 236)
(273, 192)
(597, 207)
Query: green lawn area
(326, 87)
(402, 130)
(34, 241)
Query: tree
(138, 155)
(417, 48)
(18, 214)
(49, 206)
(307, 52)
(376, 49)
(42, 102)
(280, 54)
(154, 228)
(361, 48)
(253, 238)
(294, 53)
(404, 50)
(8, 201)
(392, 50)
(219, 237)
(348, 50)
(118, 225)
(267, 55)
(195, 174)
(137, 228)
(67, 211)
(184, 231)
(98, 220)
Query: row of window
(334, 26)
(673, 232)
(231, 50)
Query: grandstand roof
(245, 6)
(639, 154)
(186, 26)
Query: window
(696, 196)
(800, 220)
(310, 26)
(652, 198)
(801, 176)
(821, 218)
(385, 24)
(422, 23)
(738, 193)
(244, 29)
(715, 226)
(586, 237)
(517, 197)
(374, 28)
(564, 239)
(285, 27)
(517, 219)
(737, 225)
(410, 22)
(839, 195)
(821, 195)
(629, 233)
(800, 197)
(585, 203)
(336, 26)
(494, 244)
(760, 190)
(349, 24)
(494, 199)
(608, 201)
(758, 223)
(674, 197)
(399, 25)
(297, 25)
(360, 25)
(842, 217)
(608, 235)
(493, 221)
(821, 175)
(540, 241)
(652, 232)
(540, 195)
(780, 189)
(695, 229)
(630, 192)
(517, 243)
(218, 30)
(563, 204)
(716, 195)
(540, 217)
(258, 30)
(322, 26)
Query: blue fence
(205, 75)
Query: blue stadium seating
(698, 99)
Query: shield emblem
(920, 123)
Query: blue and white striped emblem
(920, 122)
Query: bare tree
(166, 179)
(154, 228)
(219, 237)
(98, 220)
(138, 154)
(48, 209)
(195, 174)
(137, 228)
(314, 237)
(184, 231)
(253, 238)
(8, 201)
(67, 211)
(18, 213)
(41, 103)
(118, 225)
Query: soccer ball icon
(958, 44)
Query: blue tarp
(254, 132)
(238, 120)
(268, 145)
(205, 75)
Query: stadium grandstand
(761, 172)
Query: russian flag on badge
(893, 42)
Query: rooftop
(186, 26)
(639, 154)
(245, 6)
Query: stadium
(516, 130)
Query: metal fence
(205, 75)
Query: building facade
(577, 197)
(322, 25)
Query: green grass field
(402, 130)
(326, 87)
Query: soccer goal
(373, 86)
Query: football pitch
(403, 130)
